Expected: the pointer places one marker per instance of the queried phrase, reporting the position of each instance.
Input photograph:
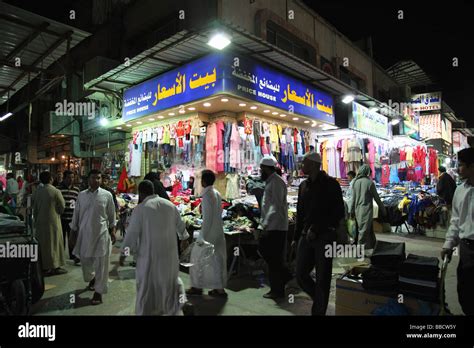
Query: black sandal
(96, 299)
(194, 292)
(215, 293)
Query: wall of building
(312, 29)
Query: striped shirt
(70, 197)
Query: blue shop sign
(233, 74)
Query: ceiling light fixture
(219, 41)
(348, 98)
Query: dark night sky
(431, 34)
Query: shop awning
(409, 73)
(186, 46)
(36, 40)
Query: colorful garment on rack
(220, 146)
(385, 180)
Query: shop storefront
(221, 112)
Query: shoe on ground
(194, 292)
(59, 271)
(215, 293)
(96, 299)
(188, 310)
(77, 262)
(273, 295)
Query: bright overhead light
(139, 122)
(53, 159)
(282, 115)
(295, 118)
(63, 157)
(242, 104)
(313, 125)
(395, 121)
(224, 100)
(306, 121)
(128, 125)
(206, 105)
(219, 41)
(119, 127)
(4, 117)
(171, 114)
(253, 107)
(182, 111)
(161, 117)
(274, 113)
(151, 119)
(447, 160)
(348, 98)
(266, 111)
(191, 109)
(104, 122)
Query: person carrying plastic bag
(208, 256)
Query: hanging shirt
(135, 160)
(385, 180)
(220, 146)
(248, 126)
(234, 157)
(166, 134)
(94, 215)
(232, 187)
(211, 147)
(462, 217)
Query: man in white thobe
(94, 222)
(151, 236)
(209, 270)
(274, 225)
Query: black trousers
(310, 255)
(272, 248)
(465, 273)
(66, 236)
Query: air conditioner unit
(58, 125)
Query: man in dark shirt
(105, 186)
(158, 187)
(446, 186)
(70, 193)
(319, 211)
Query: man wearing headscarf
(363, 195)
(319, 211)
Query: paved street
(245, 295)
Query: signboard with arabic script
(252, 80)
(368, 121)
(190, 82)
(218, 73)
(426, 101)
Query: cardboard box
(381, 227)
(353, 299)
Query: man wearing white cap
(320, 208)
(274, 223)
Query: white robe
(151, 236)
(210, 273)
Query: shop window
(286, 41)
(352, 80)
